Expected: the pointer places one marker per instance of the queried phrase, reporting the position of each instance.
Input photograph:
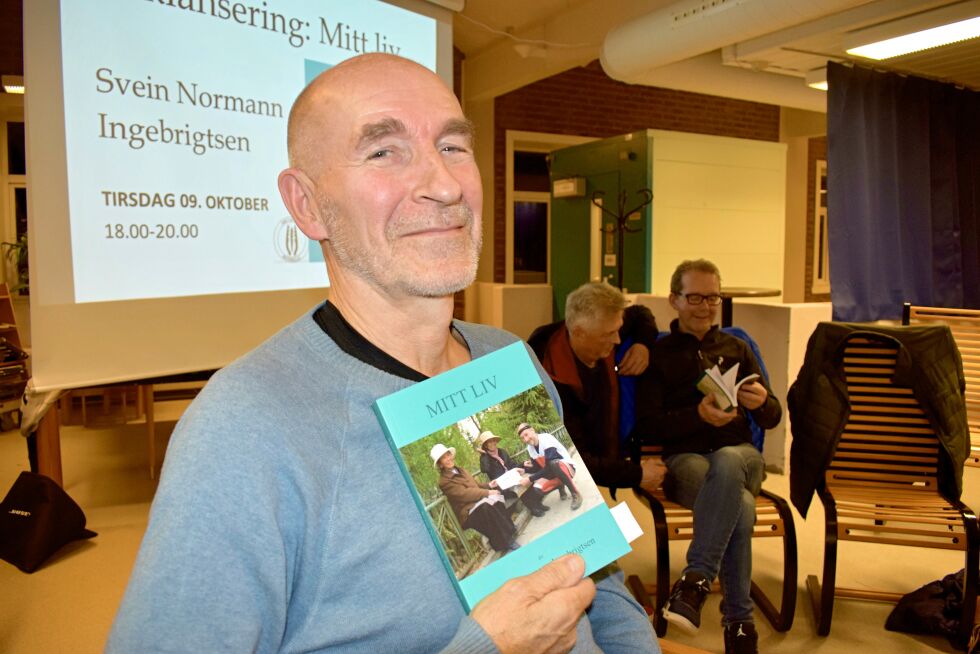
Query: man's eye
(379, 154)
(454, 148)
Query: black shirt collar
(353, 343)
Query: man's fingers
(560, 573)
(576, 598)
(538, 613)
(635, 361)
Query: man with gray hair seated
(578, 354)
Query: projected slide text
(175, 126)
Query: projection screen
(155, 132)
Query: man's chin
(434, 284)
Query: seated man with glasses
(713, 468)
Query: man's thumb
(560, 573)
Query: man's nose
(436, 181)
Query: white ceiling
(558, 34)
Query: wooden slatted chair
(882, 483)
(672, 521)
(965, 325)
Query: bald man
(282, 522)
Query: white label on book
(627, 523)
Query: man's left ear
(297, 191)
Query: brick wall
(585, 102)
(816, 149)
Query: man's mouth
(434, 230)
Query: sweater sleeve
(212, 572)
(470, 638)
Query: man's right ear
(672, 300)
(298, 194)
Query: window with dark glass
(16, 151)
(531, 217)
(531, 172)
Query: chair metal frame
(672, 521)
(881, 485)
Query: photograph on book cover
(451, 469)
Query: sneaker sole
(680, 622)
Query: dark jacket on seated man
(668, 397)
(590, 396)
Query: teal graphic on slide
(313, 68)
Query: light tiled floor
(68, 605)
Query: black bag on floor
(933, 609)
(37, 518)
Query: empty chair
(890, 470)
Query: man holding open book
(713, 468)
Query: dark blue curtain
(903, 193)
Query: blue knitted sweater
(282, 523)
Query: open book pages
(509, 479)
(723, 386)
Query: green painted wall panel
(610, 166)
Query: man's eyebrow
(375, 131)
(459, 127)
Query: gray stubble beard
(359, 261)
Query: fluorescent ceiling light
(931, 29)
(13, 83)
(817, 79)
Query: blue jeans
(720, 488)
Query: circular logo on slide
(290, 243)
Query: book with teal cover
(496, 392)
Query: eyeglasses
(697, 298)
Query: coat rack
(621, 219)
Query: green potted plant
(16, 253)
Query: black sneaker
(683, 608)
(536, 511)
(741, 638)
